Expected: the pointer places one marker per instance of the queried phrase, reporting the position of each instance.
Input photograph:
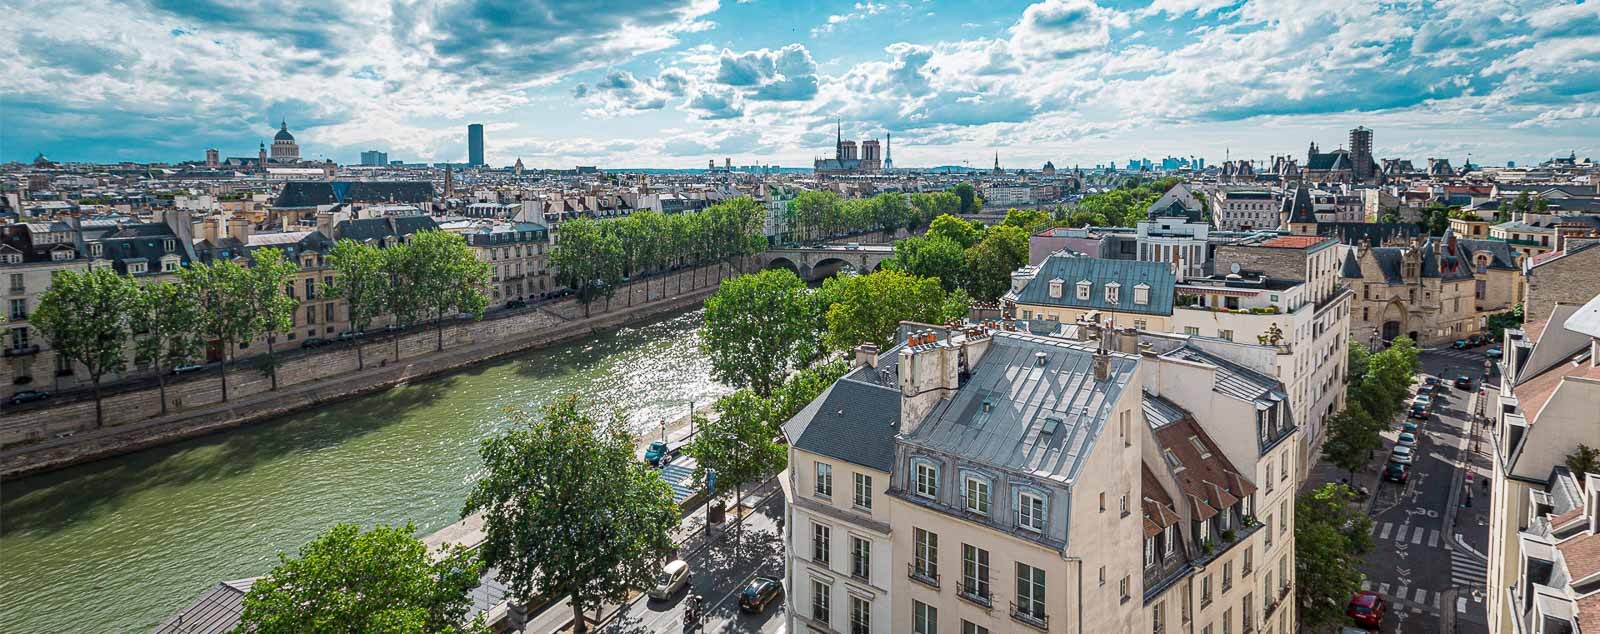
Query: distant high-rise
(375, 157)
(1361, 153)
(475, 144)
(211, 158)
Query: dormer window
(1172, 460)
(1199, 446)
(1168, 535)
(1083, 290)
(95, 249)
(135, 268)
(1141, 294)
(169, 245)
(61, 255)
(1055, 289)
(1113, 290)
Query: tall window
(968, 627)
(860, 615)
(977, 495)
(863, 497)
(1149, 551)
(1169, 540)
(1245, 612)
(1158, 619)
(925, 618)
(1122, 588)
(821, 600)
(1030, 591)
(1030, 511)
(860, 558)
(1205, 590)
(927, 480)
(975, 572)
(821, 538)
(824, 480)
(926, 551)
(1113, 291)
(1227, 577)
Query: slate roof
(1376, 233)
(1298, 208)
(1099, 272)
(1325, 161)
(297, 194)
(1026, 399)
(1207, 479)
(365, 229)
(853, 420)
(1350, 267)
(1498, 250)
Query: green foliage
(802, 388)
(383, 580)
(955, 229)
(925, 207)
(757, 328)
(1495, 327)
(86, 318)
(739, 443)
(1124, 206)
(360, 280)
(936, 257)
(1080, 218)
(168, 331)
(1584, 459)
(1030, 221)
(1352, 434)
(1331, 534)
(869, 308)
(569, 510)
(448, 278)
(968, 196)
(270, 275)
(586, 260)
(221, 291)
(1436, 219)
(1004, 249)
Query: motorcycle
(692, 614)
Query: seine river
(119, 545)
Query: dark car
(1476, 340)
(1460, 344)
(1433, 383)
(187, 368)
(1418, 410)
(314, 342)
(1464, 383)
(1367, 608)
(516, 303)
(351, 335)
(761, 592)
(1395, 472)
(29, 396)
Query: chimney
(867, 355)
(239, 229)
(1102, 364)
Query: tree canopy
(85, 315)
(869, 308)
(757, 328)
(990, 262)
(1331, 534)
(936, 257)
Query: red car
(1367, 608)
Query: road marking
(1416, 538)
(1433, 539)
(1422, 596)
(1385, 533)
(1366, 585)
(1383, 588)
(1401, 592)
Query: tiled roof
(1159, 512)
(1099, 272)
(1582, 554)
(1207, 479)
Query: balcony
(1274, 602)
(1038, 621)
(922, 575)
(979, 596)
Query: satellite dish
(1234, 268)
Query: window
(1283, 573)
(96, 249)
(1083, 290)
(19, 309)
(1283, 468)
(925, 618)
(1149, 551)
(1122, 504)
(860, 558)
(1102, 501)
(168, 245)
(327, 312)
(311, 314)
(1192, 331)
(169, 265)
(311, 288)
(977, 495)
(1030, 592)
(968, 627)
(1205, 590)
(1169, 537)
(821, 600)
(1269, 476)
(1244, 571)
(1268, 532)
(1205, 532)
(1227, 577)
(135, 268)
(824, 480)
(821, 536)
(1227, 621)
(863, 497)
(1186, 608)
(1283, 515)
(1102, 575)
(1245, 613)
(975, 572)
(19, 337)
(1225, 334)
(1030, 511)
(927, 480)
(1122, 587)
(925, 548)
(1141, 294)
(1113, 290)
(860, 615)
(16, 283)
(1158, 619)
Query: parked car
(351, 335)
(655, 453)
(1403, 455)
(1396, 472)
(1493, 352)
(1367, 609)
(314, 342)
(1476, 340)
(759, 594)
(187, 368)
(1410, 428)
(516, 303)
(1417, 410)
(29, 396)
(1460, 344)
(1407, 439)
(1464, 383)
(673, 576)
(1424, 399)
(1427, 389)
(1433, 383)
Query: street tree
(1352, 435)
(757, 328)
(1330, 538)
(361, 280)
(1358, 357)
(569, 510)
(221, 289)
(802, 388)
(970, 203)
(266, 290)
(869, 308)
(739, 443)
(349, 581)
(85, 315)
(450, 279)
(1030, 221)
(930, 256)
(167, 334)
(1002, 250)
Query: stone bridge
(816, 263)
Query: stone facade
(1428, 292)
(1567, 278)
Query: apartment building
(518, 257)
(1542, 412)
(1066, 287)
(1245, 209)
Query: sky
(673, 83)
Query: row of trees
(1377, 385)
(1123, 206)
(966, 256)
(815, 215)
(91, 317)
(592, 257)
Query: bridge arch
(781, 262)
(830, 266)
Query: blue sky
(672, 83)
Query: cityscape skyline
(673, 84)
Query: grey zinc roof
(1587, 319)
(1159, 412)
(1099, 272)
(215, 611)
(852, 420)
(1233, 379)
(1025, 400)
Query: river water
(119, 545)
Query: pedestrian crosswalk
(1464, 355)
(1418, 599)
(1466, 570)
(1406, 534)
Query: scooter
(692, 615)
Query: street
(719, 572)
(1429, 533)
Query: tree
(266, 290)
(1584, 459)
(1030, 221)
(958, 230)
(968, 197)
(587, 260)
(869, 308)
(925, 206)
(1358, 357)
(1330, 537)
(362, 282)
(1352, 434)
(85, 317)
(221, 292)
(810, 213)
(892, 211)
(383, 580)
(168, 331)
(569, 510)
(1003, 250)
(448, 278)
(758, 327)
(739, 443)
(802, 388)
(936, 257)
